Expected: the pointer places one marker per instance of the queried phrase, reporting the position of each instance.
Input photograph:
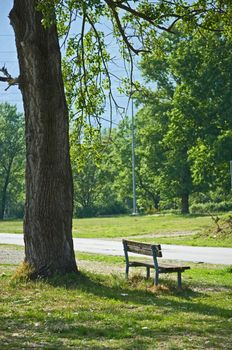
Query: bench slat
(173, 268)
(162, 268)
(143, 248)
(137, 263)
(177, 267)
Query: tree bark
(185, 203)
(49, 189)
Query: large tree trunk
(49, 189)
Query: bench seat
(162, 268)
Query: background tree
(151, 125)
(11, 160)
(207, 102)
(195, 79)
(95, 174)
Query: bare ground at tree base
(11, 256)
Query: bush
(211, 207)
(114, 208)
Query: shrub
(211, 207)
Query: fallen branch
(215, 219)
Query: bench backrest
(142, 248)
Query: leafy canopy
(90, 27)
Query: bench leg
(127, 271)
(179, 279)
(156, 278)
(148, 272)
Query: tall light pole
(135, 212)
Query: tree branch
(8, 78)
(139, 14)
(112, 5)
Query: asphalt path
(112, 247)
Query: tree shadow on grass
(115, 313)
(185, 300)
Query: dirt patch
(170, 234)
(100, 267)
(13, 256)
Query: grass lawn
(103, 311)
(122, 226)
(195, 240)
(11, 226)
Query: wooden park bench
(153, 250)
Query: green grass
(11, 226)
(122, 226)
(195, 240)
(11, 246)
(106, 259)
(92, 311)
(137, 225)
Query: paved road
(110, 247)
